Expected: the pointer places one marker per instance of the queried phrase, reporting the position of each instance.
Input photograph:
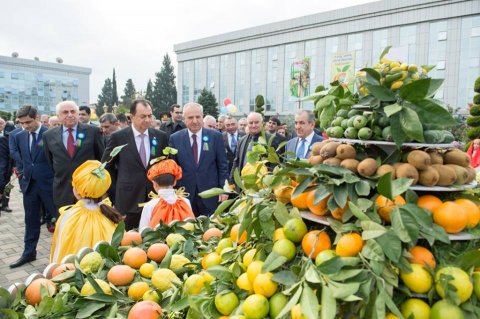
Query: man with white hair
(201, 155)
(67, 147)
(210, 122)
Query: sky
(133, 36)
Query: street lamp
(105, 108)
(114, 108)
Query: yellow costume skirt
(80, 225)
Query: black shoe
(22, 261)
(6, 209)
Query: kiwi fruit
(329, 150)
(428, 177)
(447, 175)
(384, 169)
(435, 157)
(396, 166)
(472, 173)
(462, 174)
(315, 159)
(316, 147)
(419, 159)
(407, 171)
(345, 151)
(350, 164)
(367, 167)
(456, 157)
(332, 161)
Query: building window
(312, 52)
(331, 47)
(469, 61)
(272, 79)
(200, 78)
(408, 37)
(291, 55)
(212, 72)
(437, 49)
(186, 77)
(240, 77)
(255, 76)
(225, 71)
(355, 43)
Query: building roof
(6, 60)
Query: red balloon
(227, 101)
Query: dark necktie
(70, 143)
(142, 152)
(195, 148)
(34, 142)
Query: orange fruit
(473, 213)
(349, 245)
(212, 232)
(451, 217)
(234, 234)
(283, 193)
(300, 201)
(338, 213)
(318, 209)
(314, 242)
(157, 251)
(63, 267)
(135, 257)
(422, 256)
(146, 309)
(120, 275)
(429, 202)
(385, 206)
(137, 289)
(130, 237)
(33, 294)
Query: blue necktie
(301, 149)
(233, 143)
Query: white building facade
(242, 64)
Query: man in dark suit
(5, 166)
(201, 154)
(84, 113)
(306, 137)
(37, 180)
(175, 123)
(130, 166)
(5, 129)
(254, 126)
(231, 136)
(67, 147)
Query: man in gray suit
(67, 147)
(306, 137)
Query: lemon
(146, 270)
(188, 226)
(461, 281)
(137, 289)
(226, 302)
(91, 262)
(88, 289)
(254, 269)
(151, 295)
(194, 284)
(173, 239)
(255, 307)
(419, 280)
(163, 279)
(178, 261)
(248, 257)
(243, 283)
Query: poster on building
(300, 78)
(343, 69)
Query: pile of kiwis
(428, 168)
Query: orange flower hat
(165, 167)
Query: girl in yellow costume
(89, 220)
(169, 205)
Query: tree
(114, 89)
(209, 102)
(129, 93)
(105, 97)
(149, 92)
(164, 90)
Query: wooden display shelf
(386, 143)
(324, 221)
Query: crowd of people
(58, 161)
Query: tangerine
(131, 237)
(211, 232)
(120, 275)
(473, 213)
(146, 309)
(385, 206)
(135, 257)
(283, 193)
(33, 293)
(314, 242)
(451, 217)
(235, 236)
(63, 267)
(349, 245)
(319, 209)
(429, 202)
(422, 256)
(157, 252)
(300, 201)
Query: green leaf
(329, 304)
(391, 245)
(212, 192)
(292, 302)
(285, 277)
(362, 188)
(411, 124)
(102, 297)
(220, 273)
(312, 275)
(345, 274)
(373, 251)
(373, 74)
(273, 261)
(415, 91)
(108, 251)
(238, 179)
(384, 52)
(309, 303)
(179, 305)
(469, 259)
(117, 150)
(382, 93)
(302, 186)
(340, 195)
(372, 230)
(428, 68)
(343, 290)
(89, 309)
(398, 135)
(357, 212)
(380, 304)
(166, 260)
(118, 234)
(331, 266)
(223, 206)
(392, 109)
(398, 225)
(327, 115)
(432, 111)
(281, 213)
(384, 186)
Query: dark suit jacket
(132, 185)
(228, 149)
(212, 168)
(35, 166)
(171, 127)
(91, 148)
(292, 145)
(5, 163)
(13, 147)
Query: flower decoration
(153, 148)
(80, 138)
(205, 140)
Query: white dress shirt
(199, 141)
(146, 142)
(30, 139)
(65, 134)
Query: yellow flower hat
(90, 184)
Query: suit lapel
(80, 136)
(59, 136)
(39, 146)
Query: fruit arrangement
(474, 119)
(432, 167)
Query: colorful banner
(343, 69)
(300, 78)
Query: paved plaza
(12, 230)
